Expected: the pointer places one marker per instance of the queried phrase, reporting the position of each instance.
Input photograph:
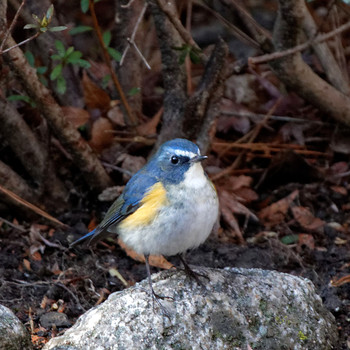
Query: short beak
(198, 159)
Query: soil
(35, 285)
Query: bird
(168, 207)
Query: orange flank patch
(150, 204)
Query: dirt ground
(49, 280)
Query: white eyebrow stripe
(183, 153)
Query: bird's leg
(155, 296)
(189, 272)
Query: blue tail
(81, 239)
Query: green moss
(302, 336)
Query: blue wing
(127, 203)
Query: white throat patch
(195, 176)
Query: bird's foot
(193, 274)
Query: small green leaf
(56, 72)
(134, 91)
(36, 18)
(69, 51)
(74, 56)
(184, 47)
(116, 55)
(107, 36)
(83, 63)
(23, 98)
(105, 80)
(60, 48)
(194, 57)
(41, 70)
(80, 29)
(19, 98)
(57, 29)
(182, 57)
(84, 4)
(61, 84)
(43, 80)
(30, 58)
(56, 57)
(30, 26)
(290, 239)
(49, 14)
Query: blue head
(173, 160)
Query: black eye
(174, 160)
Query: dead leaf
(238, 182)
(26, 264)
(246, 194)
(157, 261)
(55, 269)
(340, 189)
(306, 219)
(94, 96)
(306, 240)
(101, 135)
(77, 116)
(36, 256)
(262, 237)
(340, 241)
(150, 128)
(276, 212)
(113, 271)
(116, 116)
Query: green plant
(40, 71)
(187, 50)
(22, 98)
(42, 25)
(84, 4)
(107, 37)
(64, 58)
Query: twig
(8, 32)
(298, 48)
(31, 206)
(185, 35)
(107, 58)
(188, 62)
(252, 137)
(140, 54)
(19, 44)
(17, 227)
(131, 41)
(128, 4)
(114, 167)
(34, 284)
(255, 116)
(296, 74)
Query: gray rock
(52, 318)
(236, 309)
(13, 335)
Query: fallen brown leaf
(101, 135)
(157, 261)
(77, 116)
(306, 219)
(275, 213)
(94, 96)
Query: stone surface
(235, 309)
(54, 319)
(13, 335)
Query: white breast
(184, 223)
(195, 176)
